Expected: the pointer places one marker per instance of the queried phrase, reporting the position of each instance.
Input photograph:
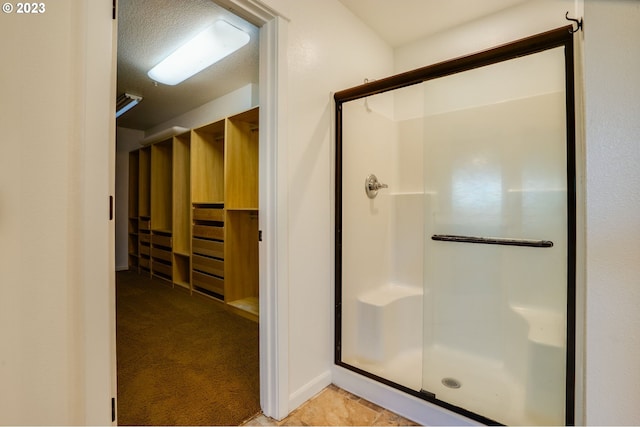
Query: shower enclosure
(455, 232)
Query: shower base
(485, 386)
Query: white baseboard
(309, 390)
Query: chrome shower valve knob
(372, 185)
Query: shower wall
(497, 181)
(366, 237)
(382, 237)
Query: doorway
(160, 7)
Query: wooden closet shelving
(182, 210)
(161, 209)
(241, 208)
(132, 227)
(144, 209)
(195, 221)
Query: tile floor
(335, 407)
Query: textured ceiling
(149, 30)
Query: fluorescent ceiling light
(125, 102)
(208, 47)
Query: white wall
(234, 102)
(329, 50)
(37, 202)
(612, 92)
(55, 289)
(523, 20)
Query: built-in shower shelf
(387, 294)
(545, 327)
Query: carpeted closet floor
(182, 359)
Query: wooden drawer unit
(161, 240)
(162, 254)
(144, 263)
(144, 237)
(210, 283)
(132, 244)
(208, 265)
(208, 214)
(160, 268)
(210, 248)
(208, 232)
(144, 250)
(144, 224)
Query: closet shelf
(193, 202)
(161, 230)
(208, 203)
(249, 307)
(242, 209)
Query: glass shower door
(455, 232)
(495, 239)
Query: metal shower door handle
(372, 185)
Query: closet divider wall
(132, 244)
(144, 209)
(182, 210)
(241, 212)
(161, 209)
(193, 211)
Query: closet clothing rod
(492, 240)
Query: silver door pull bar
(493, 240)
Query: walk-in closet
(187, 233)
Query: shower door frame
(561, 37)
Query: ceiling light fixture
(208, 47)
(125, 102)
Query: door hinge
(110, 208)
(113, 13)
(113, 409)
(259, 235)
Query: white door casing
(273, 190)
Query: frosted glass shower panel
(496, 164)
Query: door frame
(101, 371)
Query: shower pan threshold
(404, 369)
